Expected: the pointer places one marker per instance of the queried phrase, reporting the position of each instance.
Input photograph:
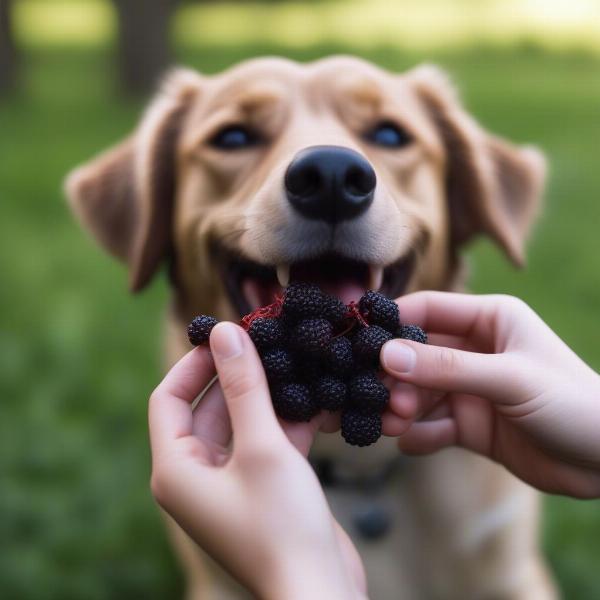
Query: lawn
(79, 355)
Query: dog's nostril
(359, 181)
(303, 182)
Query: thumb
(244, 386)
(493, 376)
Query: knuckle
(237, 383)
(446, 360)
(512, 303)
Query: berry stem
(271, 311)
(354, 313)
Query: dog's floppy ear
(124, 197)
(493, 187)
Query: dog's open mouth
(251, 285)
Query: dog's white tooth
(283, 275)
(375, 278)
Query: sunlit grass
(428, 24)
(416, 25)
(65, 22)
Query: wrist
(298, 579)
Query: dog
(347, 175)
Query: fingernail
(398, 357)
(225, 341)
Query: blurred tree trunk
(144, 50)
(8, 52)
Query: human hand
(497, 380)
(257, 508)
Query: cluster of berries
(320, 354)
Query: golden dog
(344, 174)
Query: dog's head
(335, 172)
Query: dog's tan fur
(164, 194)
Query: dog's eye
(389, 135)
(234, 137)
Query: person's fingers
(211, 422)
(409, 404)
(495, 376)
(189, 376)
(452, 341)
(331, 421)
(437, 410)
(302, 435)
(169, 411)
(401, 409)
(445, 312)
(404, 400)
(392, 425)
(428, 436)
(244, 386)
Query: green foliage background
(79, 356)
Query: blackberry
(330, 393)
(367, 394)
(312, 336)
(266, 333)
(334, 310)
(199, 329)
(302, 301)
(293, 402)
(309, 368)
(278, 365)
(412, 332)
(367, 344)
(359, 429)
(339, 356)
(379, 310)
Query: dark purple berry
(379, 310)
(302, 301)
(293, 402)
(309, 368)
(311, 336)
(359, 429)
(266, 333)
(367, 343)
(334, 310)
(367, 394)
(199, 329)
(412, 332)
(339, 356)
(278, 365)
(330, 393)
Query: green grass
(79, 356)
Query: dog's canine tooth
(375, 277)
(283, 275)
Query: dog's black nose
(331, 183)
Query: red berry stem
(271, 311)
(354, 313)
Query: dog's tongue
(347, 291)
(260, 293)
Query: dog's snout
(330, 183)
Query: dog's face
(335, 172)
